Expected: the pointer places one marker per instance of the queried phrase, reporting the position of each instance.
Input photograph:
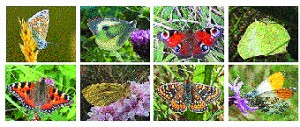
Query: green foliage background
(209, 75)
(64, 77)
(89, 49)
(174, 18)
(252, 76)
(61, 33)
(241, 17)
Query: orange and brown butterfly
(270, 94)
(103, 94)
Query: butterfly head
(111, 34)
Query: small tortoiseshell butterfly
(189, 44)
(269, 95)
(40, 95)
(39, 24)
(196, 97)
(103, 94)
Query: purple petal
(108, 117)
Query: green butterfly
(111, 34)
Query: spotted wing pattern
(39, 24)
(180, 96)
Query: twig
(162, 25)
(184, 20)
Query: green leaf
(159, 53)
(72, 113)
(263, 38)
(68, 71)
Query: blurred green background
(252, 76)
(209, 75)
(61, 33)
(64, 77)
(185, 18)
(89, 49)
(241, 17)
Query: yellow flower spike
(29, 45)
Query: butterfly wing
(105, 93)
(202, 95)
(39, 24)
(274, 101)
(174, 94)
(23, 91)
(273, 82)
(111, 34)
(188, 44)
(55, 99)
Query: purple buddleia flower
(239, 101)
(137, 104)
(140, 40)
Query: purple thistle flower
(240, 102)
(140, 39)
(137, 104)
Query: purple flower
(236, 99)
(137, 104)
(140, 39)
(48, 81)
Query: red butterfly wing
(204, 37)
(175, 38)
(23, 91)
(56, 99)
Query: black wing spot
(23, 84)
(66, 97)
(29, 84)
(53, 90)
(28, 92)
(59, 93)
(15, 85)
(105, 28)
(52, 97)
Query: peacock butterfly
(189, 44)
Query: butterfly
(103, 94)
(189, 44)
(39, 25)
(40, 95)
(181, 96)
(270, 96)
(111, 34)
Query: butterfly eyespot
(105, 28)
(215, 32)
(204, 48)
(177, 48)
(165, 35)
